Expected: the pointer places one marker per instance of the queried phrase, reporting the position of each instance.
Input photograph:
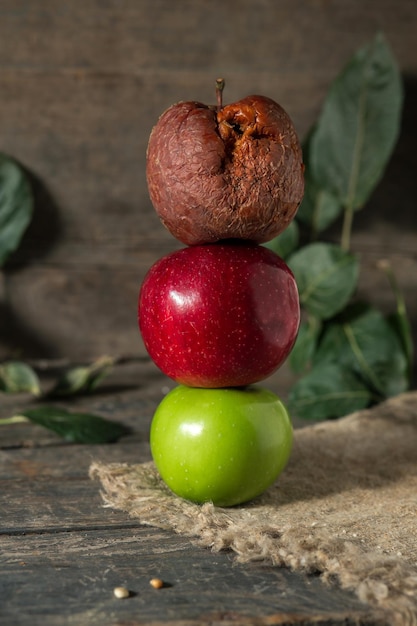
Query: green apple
(223, 445)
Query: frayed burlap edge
(353, 474)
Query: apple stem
(219, 92)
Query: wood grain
(72, 577)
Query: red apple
(229, 172)
(219, 315)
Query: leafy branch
(348, 354)
(72, 426)
(18, 377)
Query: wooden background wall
(81, 84)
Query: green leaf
(319, 207)
(399, 320)
(363, 341)
(358, 126)
(16, 205)
(400, 324)
(327, 392)
(76, 427)
(304, 348)
(84, 379)
(286, 242)
(326, 277)
(17, 377)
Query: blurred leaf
(16, 205)
(79, 380)
(400, 324)
(326, 277)
(358, 126)
(399, 321)
(328, 391)
(76, 427)
(360, 356)
(286, 242)
(17, 377)
(319, 207)
(305, 346)
(363, 341)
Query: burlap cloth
(345, 507)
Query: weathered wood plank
(126, 35)
(66, 461)
(53, 506)
(69, 577)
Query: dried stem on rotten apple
(219, 93)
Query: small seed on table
(156, 583)
(121, 592)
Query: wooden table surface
(63, 553)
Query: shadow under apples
(334, 459)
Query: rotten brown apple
(225, 172)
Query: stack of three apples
(222, 313)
